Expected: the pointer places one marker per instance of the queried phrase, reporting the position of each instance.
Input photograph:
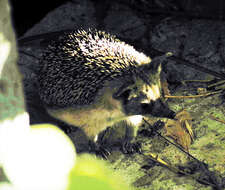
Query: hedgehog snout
(140, 105)
(157, 108)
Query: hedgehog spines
(76, 65)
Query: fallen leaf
(181, 129)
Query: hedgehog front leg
(94, 145)
(98, 149)
(132, 125)
(121, 135)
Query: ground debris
(180, 129)
(202, 174)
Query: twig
(200, 81)
(194, 96)
(192, 65)
(216, 119)
(219, 83)
(28, 54)
(177, 146)
(175, 169)
(25, 40)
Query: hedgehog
(92, 80)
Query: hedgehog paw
(129, 148)
(99, 150)
(102, 152)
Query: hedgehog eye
(122, 94)
(125, 87)
(126, 94)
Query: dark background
(26, 13)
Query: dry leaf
(181, 129)
(165, 88)
(201, 90)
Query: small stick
(177, 146)
(216, 119)
(202, 81)
(175, 169)
(195, 96)
(28, 54)
(216, 84)
(158, 160)
(192, 65)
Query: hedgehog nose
(158, 108)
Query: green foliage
(93, 174)
(88, 182)
(10, 104)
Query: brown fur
(92, 118)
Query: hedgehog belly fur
(94, 118)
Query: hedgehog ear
(155, 66)
(156, 63)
